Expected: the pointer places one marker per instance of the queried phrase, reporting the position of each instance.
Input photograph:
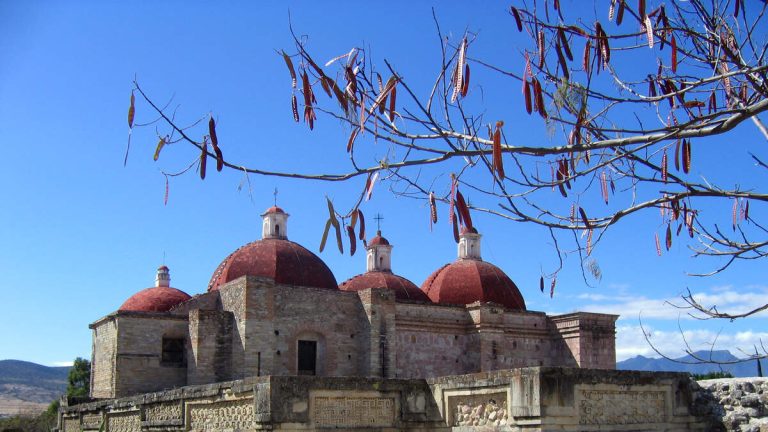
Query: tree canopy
(626, 94)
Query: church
(273, 308)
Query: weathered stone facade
(525, 399)
(737, 404)
(252, 327)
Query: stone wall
(138, 365)
(526, 399)
(103, 358)
(738, 404)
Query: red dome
(466, 281)
(378, 240)
(284, 261)
(155, 299)
(274, 209)
(404, 289)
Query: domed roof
(404, 289)
(155, 299)
(274, 209)
(378, 240)
(469, 280)
(284, 261)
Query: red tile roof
(155, 299)
(404, 289)
(467, 280)
(284, 261)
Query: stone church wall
(139, 365)
(103, 358)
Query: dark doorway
(307, 358)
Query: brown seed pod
(686, 155)
(669, 237)
(498, 163)
(604, 186)
(461, 205)
(541, 283)
(203, 159)
(131, 111)
(289, 64)
(564, 43)
(561, 60)
(673, 61)
(219, 157)
(459, 71)
(518, 21)
(392, 97)
(465, 84)
(361, 217)
(527, 94)
(664, 167)
(620, 13)
(540, 41)
(584, 218)
(352, 242)
(160, 145)
(585, 58)
(212, 131)
(324, 238)
(351, 141)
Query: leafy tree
(79, 378)
(712, 375)
(628, 92)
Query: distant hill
(744, 369)
(27, 387)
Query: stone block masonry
(525, 399)
(737, 404)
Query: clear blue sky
(80, 233)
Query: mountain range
(688, 363)
(28, 388)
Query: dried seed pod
(289, 64)
(552, 286)
(648, 31)
(324, 238)
(735, 214)
(620, 13)
(219, 157)
(518, 21)
(432, 208)
(541, 283)
(461, 205)
(159, 147)
(585, 58)
(664, 166)
(392, 97)
(131, 111)
(540, 41)
(203, 159)
(677, 155)
(611, 10)
(604, 186)
(686, 155)
(584, 218)
(658, 244)
(673, 61)
(212, 131)
(295, 108)
(361, 217)
(561, 60)
(351, 141)
(459, 71)
(669, 237)
(641, 10)
(527, 94)
(498, 164)
(352, 242)
(465, 84)
(564, 43)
